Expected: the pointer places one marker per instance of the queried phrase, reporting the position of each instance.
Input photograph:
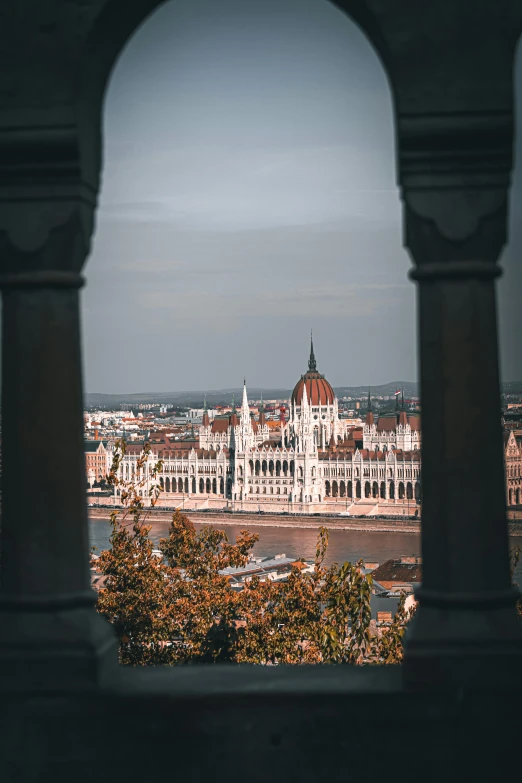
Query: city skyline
(249, 194)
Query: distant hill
(224, 396)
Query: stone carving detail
(454, 171)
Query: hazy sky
(248, 196)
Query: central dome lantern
(318, 390)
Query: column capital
(454, 174)
(46, 204)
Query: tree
(179, 608)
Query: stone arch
(180, 485)
(207, 486)
(358, 489)
(278, 467)
(327, 489)
(201, 485)
(391, 490)
(110, 32)
(221, 486)
(285, 467)
(350, 489)
(257, 467)
(264, 467)
(517, 497)
(367, 489)
(342, 489)
(193, 486)
(167, 484)
(162, 483)
(401, 490)
(271, 467)
(335, 489)
(186, 485)
(382, 492)
(375, 490)
(214, 486)
(409, 490)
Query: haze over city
(249, 195)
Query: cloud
(225, 312)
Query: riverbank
(301, 522)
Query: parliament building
(317, 461)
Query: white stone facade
(315, 462)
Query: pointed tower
(304, 403)
(312, 364)
(369, 415)
(245, 410)
(262, 417)
(206, 421)
(403, 416)
(246, 430)
(233, 421)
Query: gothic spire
(262, 418)
(245, 410)
(312, 365)
(205, 413)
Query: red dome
(318, 390)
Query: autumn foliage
(178, 608)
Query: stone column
(465, 632)
(51, 636)
(50, 633)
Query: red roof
(219, 425)
(387, 424)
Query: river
(375, 547)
